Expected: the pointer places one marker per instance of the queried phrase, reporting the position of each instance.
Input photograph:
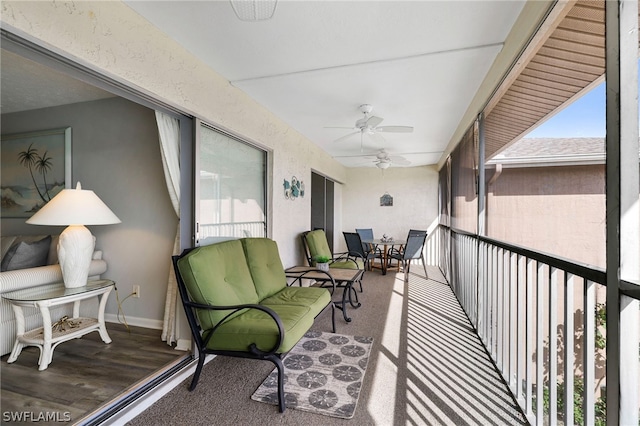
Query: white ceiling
(27, 85)
(419, 63)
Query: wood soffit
(565, 59)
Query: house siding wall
(556, 210)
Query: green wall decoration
(293, 189)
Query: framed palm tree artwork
(35, 167)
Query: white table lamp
(75, 208)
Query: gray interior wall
(115, 152)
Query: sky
(584, 118)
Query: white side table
(46, 296)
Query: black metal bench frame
(202, 339)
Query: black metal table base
(349, 293)
(347, 297)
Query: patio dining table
(386, 245)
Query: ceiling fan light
(254, 10)
(383, 164)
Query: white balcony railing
(216, 231)
(541, 318)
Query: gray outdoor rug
(323, 374)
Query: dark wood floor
(85, 376)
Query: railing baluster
(468, 278)
(539, 346)
(487, 292)
(589, 348)
(500, 335)
(467, 288)
(521, 345)
(553, 346)
(487, 273)
(474, 279)
(508, 320)
(568, 348)
(513, 326)
(482, 306)
(494, 306)
(528, 375)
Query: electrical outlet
(136, 291)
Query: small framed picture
(386, 200)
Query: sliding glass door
(230, 187)
(322, 206)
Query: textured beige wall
(112, 39)
(557, 210)
(415, 200)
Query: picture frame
(35, 166)
(386, 200)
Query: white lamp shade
(74, 207)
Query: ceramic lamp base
(75, 248)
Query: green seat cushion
(217, 275)
(255, 326)
(317, 243)
(316, 299)
(265, 266)
(347, 264)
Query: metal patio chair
(357, 249)
(414, 249)
(367, 234)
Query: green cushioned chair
(316, 244)
(237, 302)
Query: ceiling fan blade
(384, 163)
(373, 121)
(363, 155)
(400, 161)
(346, 136)
(394, 129)
(337, 127)
(396, 158)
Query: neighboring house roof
(539, 152)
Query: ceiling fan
(382, 159)
(369, 125)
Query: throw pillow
(24, 255)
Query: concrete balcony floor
(427, 366)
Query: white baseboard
(134, 321)
(181, 344)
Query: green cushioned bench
(237, 302)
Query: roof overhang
(565, 59)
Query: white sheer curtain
(169, 129)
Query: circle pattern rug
(323, 374)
